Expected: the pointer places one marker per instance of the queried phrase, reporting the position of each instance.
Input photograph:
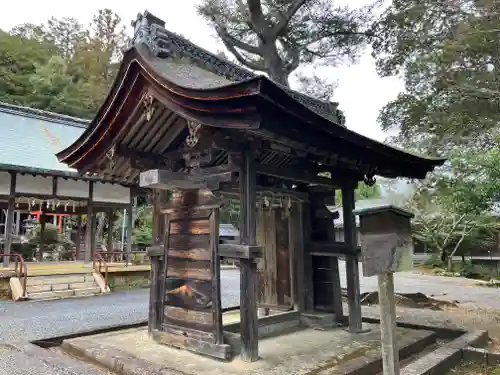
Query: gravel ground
(38, 320)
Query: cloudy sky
(360, 92)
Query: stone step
(58, 279)
(90, 291)
(58, 294)
(55, 294)
(51, 287)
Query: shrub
(433, 262)
(473, 271)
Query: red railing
(101, 259)
(20, 269)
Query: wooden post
(155, 276)
(352, 267)
(88, 226)
(334, 266)
(93, 227)
(130, 227)
(248, 267)
(78, 243)
(308, 265)
(110, 230)
(292, 248)
(300, 256)
(42, 234)
(9, 220)
(390, 352)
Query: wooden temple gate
(203, 124)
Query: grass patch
(469, 368)
(129, 282)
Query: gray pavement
(37, 320)
(465, 291)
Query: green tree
(275, 36)
(19, 59)
(448, 54)
(454, 206)
(73, 68)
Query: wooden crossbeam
(230, 250)
(206, 178)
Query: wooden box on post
(386, 243)
(386, 247)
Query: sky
(360, 92)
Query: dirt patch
(412, 300)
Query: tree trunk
(450, 264)
(274, 64)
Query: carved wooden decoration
(192, 317)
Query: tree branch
(287, 16)
(256, 15)
(254, 65)
(228, 39)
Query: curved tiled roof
(150, 30)
(31, 138)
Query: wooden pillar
(78, 243)
(352, 266)
(42, 234)
(130, 228)
(308, 265)
(18, 223)
(89, 231)
(292, 248)
(159, 200)
(9, 220)
(300, 256)
(248, 267)
(110, 230)
(334, 266)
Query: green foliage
(448, 53)
(143, 231)
(51, 237)
(362, 192)
(230, 212)
(472, 271)
(60, 65)
(19, 59)
(434, 261)
(453, 206)
(26, 250)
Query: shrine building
(180, 118)
(35, 186)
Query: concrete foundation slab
(304, 352)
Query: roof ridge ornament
(142, 27)
(147, 102)
(194, 131)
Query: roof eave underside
(223, 106)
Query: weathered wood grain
(189, 316)
(182, 242)
(187, 333)
(188, 226)
(202, 347)
(193, 254)
(189, 273)
(193, 213)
